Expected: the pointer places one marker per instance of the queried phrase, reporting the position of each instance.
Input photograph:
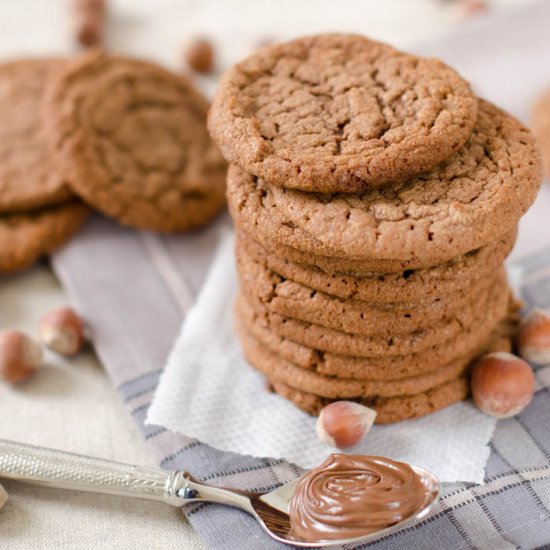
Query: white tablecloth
(72, 405)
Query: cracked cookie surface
(337, 265)
(468, 201)
(340, 113)
(339, 342)
(397, 407)
(279, 369)
(28, 180)
(296, 301)
(24, 238)
(131, 140)
(388, 409)
(382, 287)
(388, 367)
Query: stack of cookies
(375, 199)
(122, 136)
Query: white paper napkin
(208, 391)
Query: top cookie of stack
(376, 199)
(336, 113)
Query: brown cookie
(396, 408)
(389, 409)
(388, 367)
(340, 113)
(541, 128)
(27, 178)
(297, 301)
(345, 274)
(24, 238)
(131, 140)
(278, 369)
(335, 341)
(467, 202)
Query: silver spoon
(64, 470)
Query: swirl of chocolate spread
(351, 496)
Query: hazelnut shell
(20, 356)
(533, 339)
(343, 424)
(62, 330)
(502, 384)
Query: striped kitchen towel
(135, 289)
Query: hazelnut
(344, 423)
(3, 496)
(62, 330)
(88, 20)
(20, 356)
(534, 337)
(502, 384)
(89, 32)
(200, 56)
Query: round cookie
(278, 369)
(131, 140)
(24, 238)
(326, 339)
(310, 266)
(380, 288)
(394, 409)
(397, 408)
(388, 367)
(340, 113)
(541, 128)
(27, 178)
(389, 409)
(468, 201)
(296, 301)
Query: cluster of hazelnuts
(502, 385)
(61, 330)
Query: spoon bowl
(271, 510)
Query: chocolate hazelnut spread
(351, 496)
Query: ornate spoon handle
(73, 471)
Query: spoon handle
(65, 470)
